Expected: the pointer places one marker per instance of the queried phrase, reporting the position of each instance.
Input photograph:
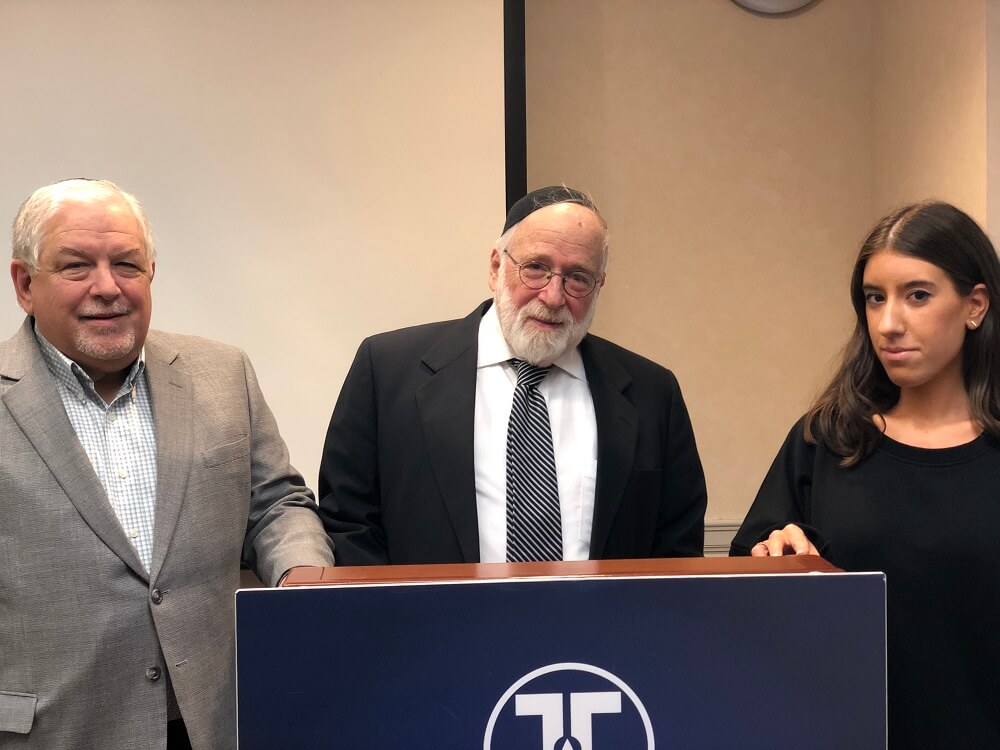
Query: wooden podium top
(675, 566)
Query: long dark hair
(941, 234)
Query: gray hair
(35, 213)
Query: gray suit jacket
(88, 638)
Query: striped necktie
(534, 524)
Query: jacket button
(156, 596)
(153, 674)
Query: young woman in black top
(896, 467)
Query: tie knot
(529, 375)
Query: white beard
(534, 345)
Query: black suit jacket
(397, 478)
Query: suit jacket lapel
(617, 433)
(172, 402)
(447, 407)
(36, 407)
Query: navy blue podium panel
(606, 663)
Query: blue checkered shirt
(118, 438)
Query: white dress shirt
(574, 439)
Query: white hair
(35, 213)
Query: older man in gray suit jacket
(135, 473)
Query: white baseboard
(718, 535)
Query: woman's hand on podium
(790, 540)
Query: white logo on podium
(571, 729)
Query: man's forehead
(87, 226)
(564, 224)
(562, 214)
(111, 215)
(110, 206)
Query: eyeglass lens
(575, 283)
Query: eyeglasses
(536, 275)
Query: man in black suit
(444, 447)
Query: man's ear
(21, 277)
(494, 269)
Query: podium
(592, 655)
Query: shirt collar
(73, 377)
(494, 350)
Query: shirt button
(133, 533)
(111, 417)
(153, 674)
(156, 596)
(122, 473)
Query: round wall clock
(773, 7)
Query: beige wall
(740, 161)
(294, 157)
(929, 99)
(992, 114)
(315, 170)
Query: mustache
(536, 309)
(95, 311)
